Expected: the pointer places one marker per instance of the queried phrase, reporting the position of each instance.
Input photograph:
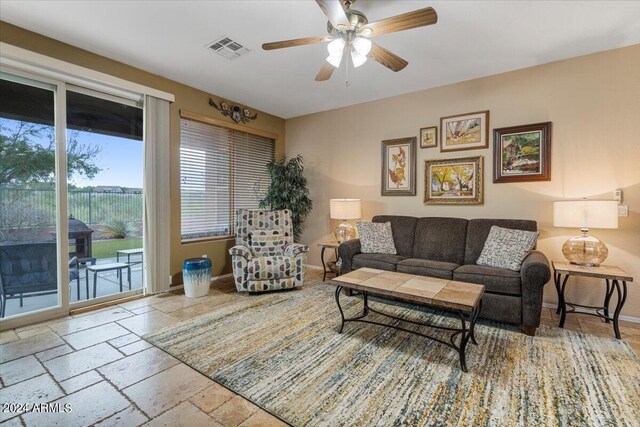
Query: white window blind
(221, 170)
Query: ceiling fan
(349, 31)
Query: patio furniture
(100, 268)
(281, 266)
(128, 253)
(29, 269)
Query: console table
(613, 277)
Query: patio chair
(28, 269)
(265, 257)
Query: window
(221, 170)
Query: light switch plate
(617, 195)
(623, 210)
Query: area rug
(282, 351)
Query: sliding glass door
(71, 197)
(31, 276)
(105, 194)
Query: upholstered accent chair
(265, 257)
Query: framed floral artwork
(522, 153)
(454, 181)
(399, 167)
(429, 137)
(468, 131)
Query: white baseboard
(313, 267)
(622, 317)
(213, 278)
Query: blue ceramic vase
(196, 274)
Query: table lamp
(345, 209)
(585, 250)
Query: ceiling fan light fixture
(357, 58)
(366, 32)
(362, 45)
(336, 47)
(335, 59)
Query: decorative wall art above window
(399, 167)
(522, 153)
(468, 131)
(237, 113)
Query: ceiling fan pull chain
(346, 82)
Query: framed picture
(399, 167)
(522, 153)
(429, 137)
(464, 131)
(453, 181)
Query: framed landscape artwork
(429, 137)
(453, 181)
(522, 153)
(464, 131)
(399, 167)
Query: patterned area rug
(282, 351)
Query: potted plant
(288, 190)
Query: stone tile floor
(97, 363)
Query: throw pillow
(267, 242)
(507, 248)
(376, 238)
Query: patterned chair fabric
(281, 268)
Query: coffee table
(464, 299)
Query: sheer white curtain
(156, 189)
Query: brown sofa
(448, 248)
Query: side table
(612, 276)
(331, 244)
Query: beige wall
(594, 104)
(186, 98)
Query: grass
(107, 248)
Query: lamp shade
(345, 209)
(585, 213)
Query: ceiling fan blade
(325, 72)
(406, 21)
(295, 42)
(334, 11)
(386, 58)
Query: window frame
(199, 118)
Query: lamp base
(344, 232)
(585, 250)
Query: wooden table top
(329, 244)
(427, 290)
(612, 272)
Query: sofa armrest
(295, 249)
(240, 250)
(535, 273)
(346, 251)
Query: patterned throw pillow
(376, 238)
(507, 248)
(267, 242)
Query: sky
(120, 159)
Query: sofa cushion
(478, 230)
(440, 239)
(379, 261)
(494, 279)
(425, 267)
(376, 238)
(404, 230)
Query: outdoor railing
(31, 206)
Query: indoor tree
(288, 190)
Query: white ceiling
(471, 39)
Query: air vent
(230, 49)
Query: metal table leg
(324, 267)
(622, 297)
